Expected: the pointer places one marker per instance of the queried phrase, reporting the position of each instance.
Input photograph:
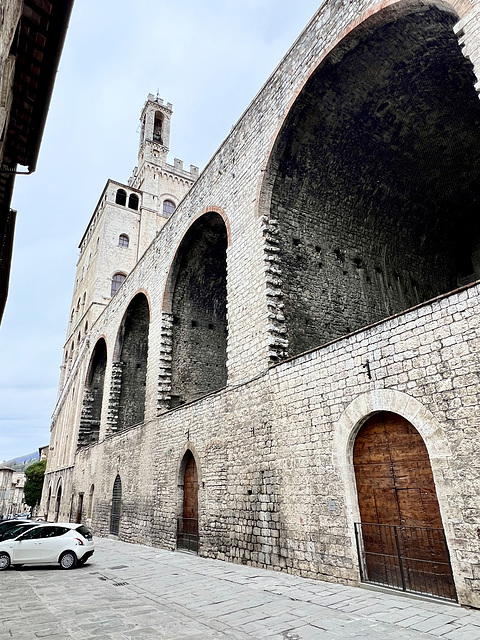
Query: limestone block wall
(274, 455)
(274, 448)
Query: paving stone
(190, 598)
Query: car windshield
(15, 531)
(82, 530)
(8, 524)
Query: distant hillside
(30, 457)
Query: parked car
(16, 529)
(65, 543)
(8, 524)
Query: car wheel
(68, 560)
(4, 561)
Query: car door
(28, 547)
(53, 542)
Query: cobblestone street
(130, 591)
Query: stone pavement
(129, 592)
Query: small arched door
(187, 537)
(403, 537)
(116, 506)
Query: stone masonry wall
(274, 455)
(273, 449)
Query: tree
(32, 490)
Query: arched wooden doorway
(401, 538)
(187, 531)
(116, 506)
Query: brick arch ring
(188, 446)
(352, 419)
(369, 17)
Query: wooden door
(396, 487)
(190, 497)
(116, 507)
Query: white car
(67, 543)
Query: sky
(209, 59)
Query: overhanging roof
(37, 48)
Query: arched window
(157, 127)
(117, 282)
(121, 197)
(123, 240)
(168, 207)
(133, 201)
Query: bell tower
(155, 131)
(162, 185)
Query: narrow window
(157, 127)
(121, 197)
(133, 201)
(168, 208)
(117, 282)
(123, 240)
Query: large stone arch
(371, 183)
(195, 312)
(129, 370)
(93, 395)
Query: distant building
(11, 492)
(43, 453)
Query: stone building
(11, 492)
(283, 371)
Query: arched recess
(116, 510)
(355, 415)
(58, 501)
(93, 396)
(49, 498)
(187, 530)
(131, 362)
(373, 179)
(197, 301)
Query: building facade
(284, 372)
(11, 493)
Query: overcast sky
(209, 59)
